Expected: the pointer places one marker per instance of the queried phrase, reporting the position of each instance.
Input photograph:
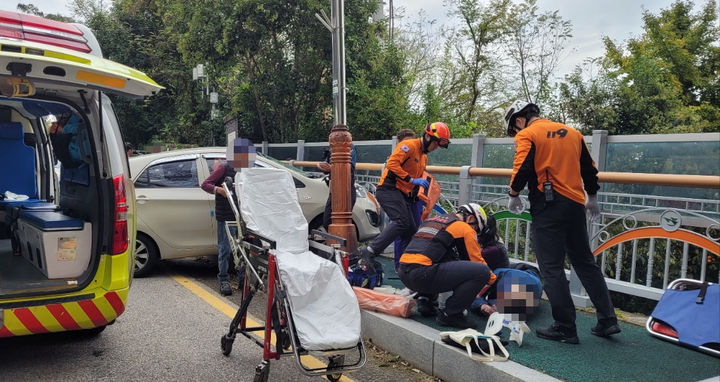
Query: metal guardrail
(630, 266)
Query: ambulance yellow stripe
(105, 308)
(46, 319)
(79, 315)
(67, 57)
(13, 324)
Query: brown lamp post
(340, 138)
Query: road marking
(229, 311)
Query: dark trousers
(464, 278)
(558, 230)
(327, 215)
(399, 210)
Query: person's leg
(327, 215)
(587, 269)
(396, 207)
(223, 253)
(465, 279)
(412, 228)
(397, 251)
(548, 238)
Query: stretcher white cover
(269, 206)
(324, 307)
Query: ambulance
(67, 203)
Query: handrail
(675, 180)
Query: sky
(591, 20)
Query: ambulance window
(179, 174)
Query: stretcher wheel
(335, 362)
(286, 342)
(262, 372)
(226, 344)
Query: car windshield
(285, 165)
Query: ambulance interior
(49, 211)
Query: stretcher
(310, 306)
(688, 314)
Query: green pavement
(633, 355)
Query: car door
(172, 204)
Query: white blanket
(324, 307)
(269, 206)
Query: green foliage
(271, 63)
(665, 81)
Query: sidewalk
(633, 355)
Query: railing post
(476, 159)
(394, 143)
(476, 156)
(598, 151)
(465, 186)
(300, 150)
(265, 148)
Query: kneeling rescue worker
(430, 263)
(398, 188)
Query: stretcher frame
(255, 252)
(651, 321)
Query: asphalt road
(169, 332)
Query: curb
(421, 346)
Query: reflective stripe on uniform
(415, 258)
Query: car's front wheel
(146, 255)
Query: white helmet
(516, 108)
(477, 211)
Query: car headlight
(360, 191)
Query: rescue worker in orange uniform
(433, 263)
(553, 160)
(398, 188)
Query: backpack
(357, 277)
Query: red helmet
(438, 131)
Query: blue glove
(420, 182)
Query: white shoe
(407, 292)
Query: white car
(175, 216)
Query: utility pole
(199, 73)
(340, 138)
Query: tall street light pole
(340, 138)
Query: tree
(34, 10)
(471, 63)
(272, 61)
(665, 81)
(133, 34)
(537, 41)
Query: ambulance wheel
(226, 344)
(93, 331)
